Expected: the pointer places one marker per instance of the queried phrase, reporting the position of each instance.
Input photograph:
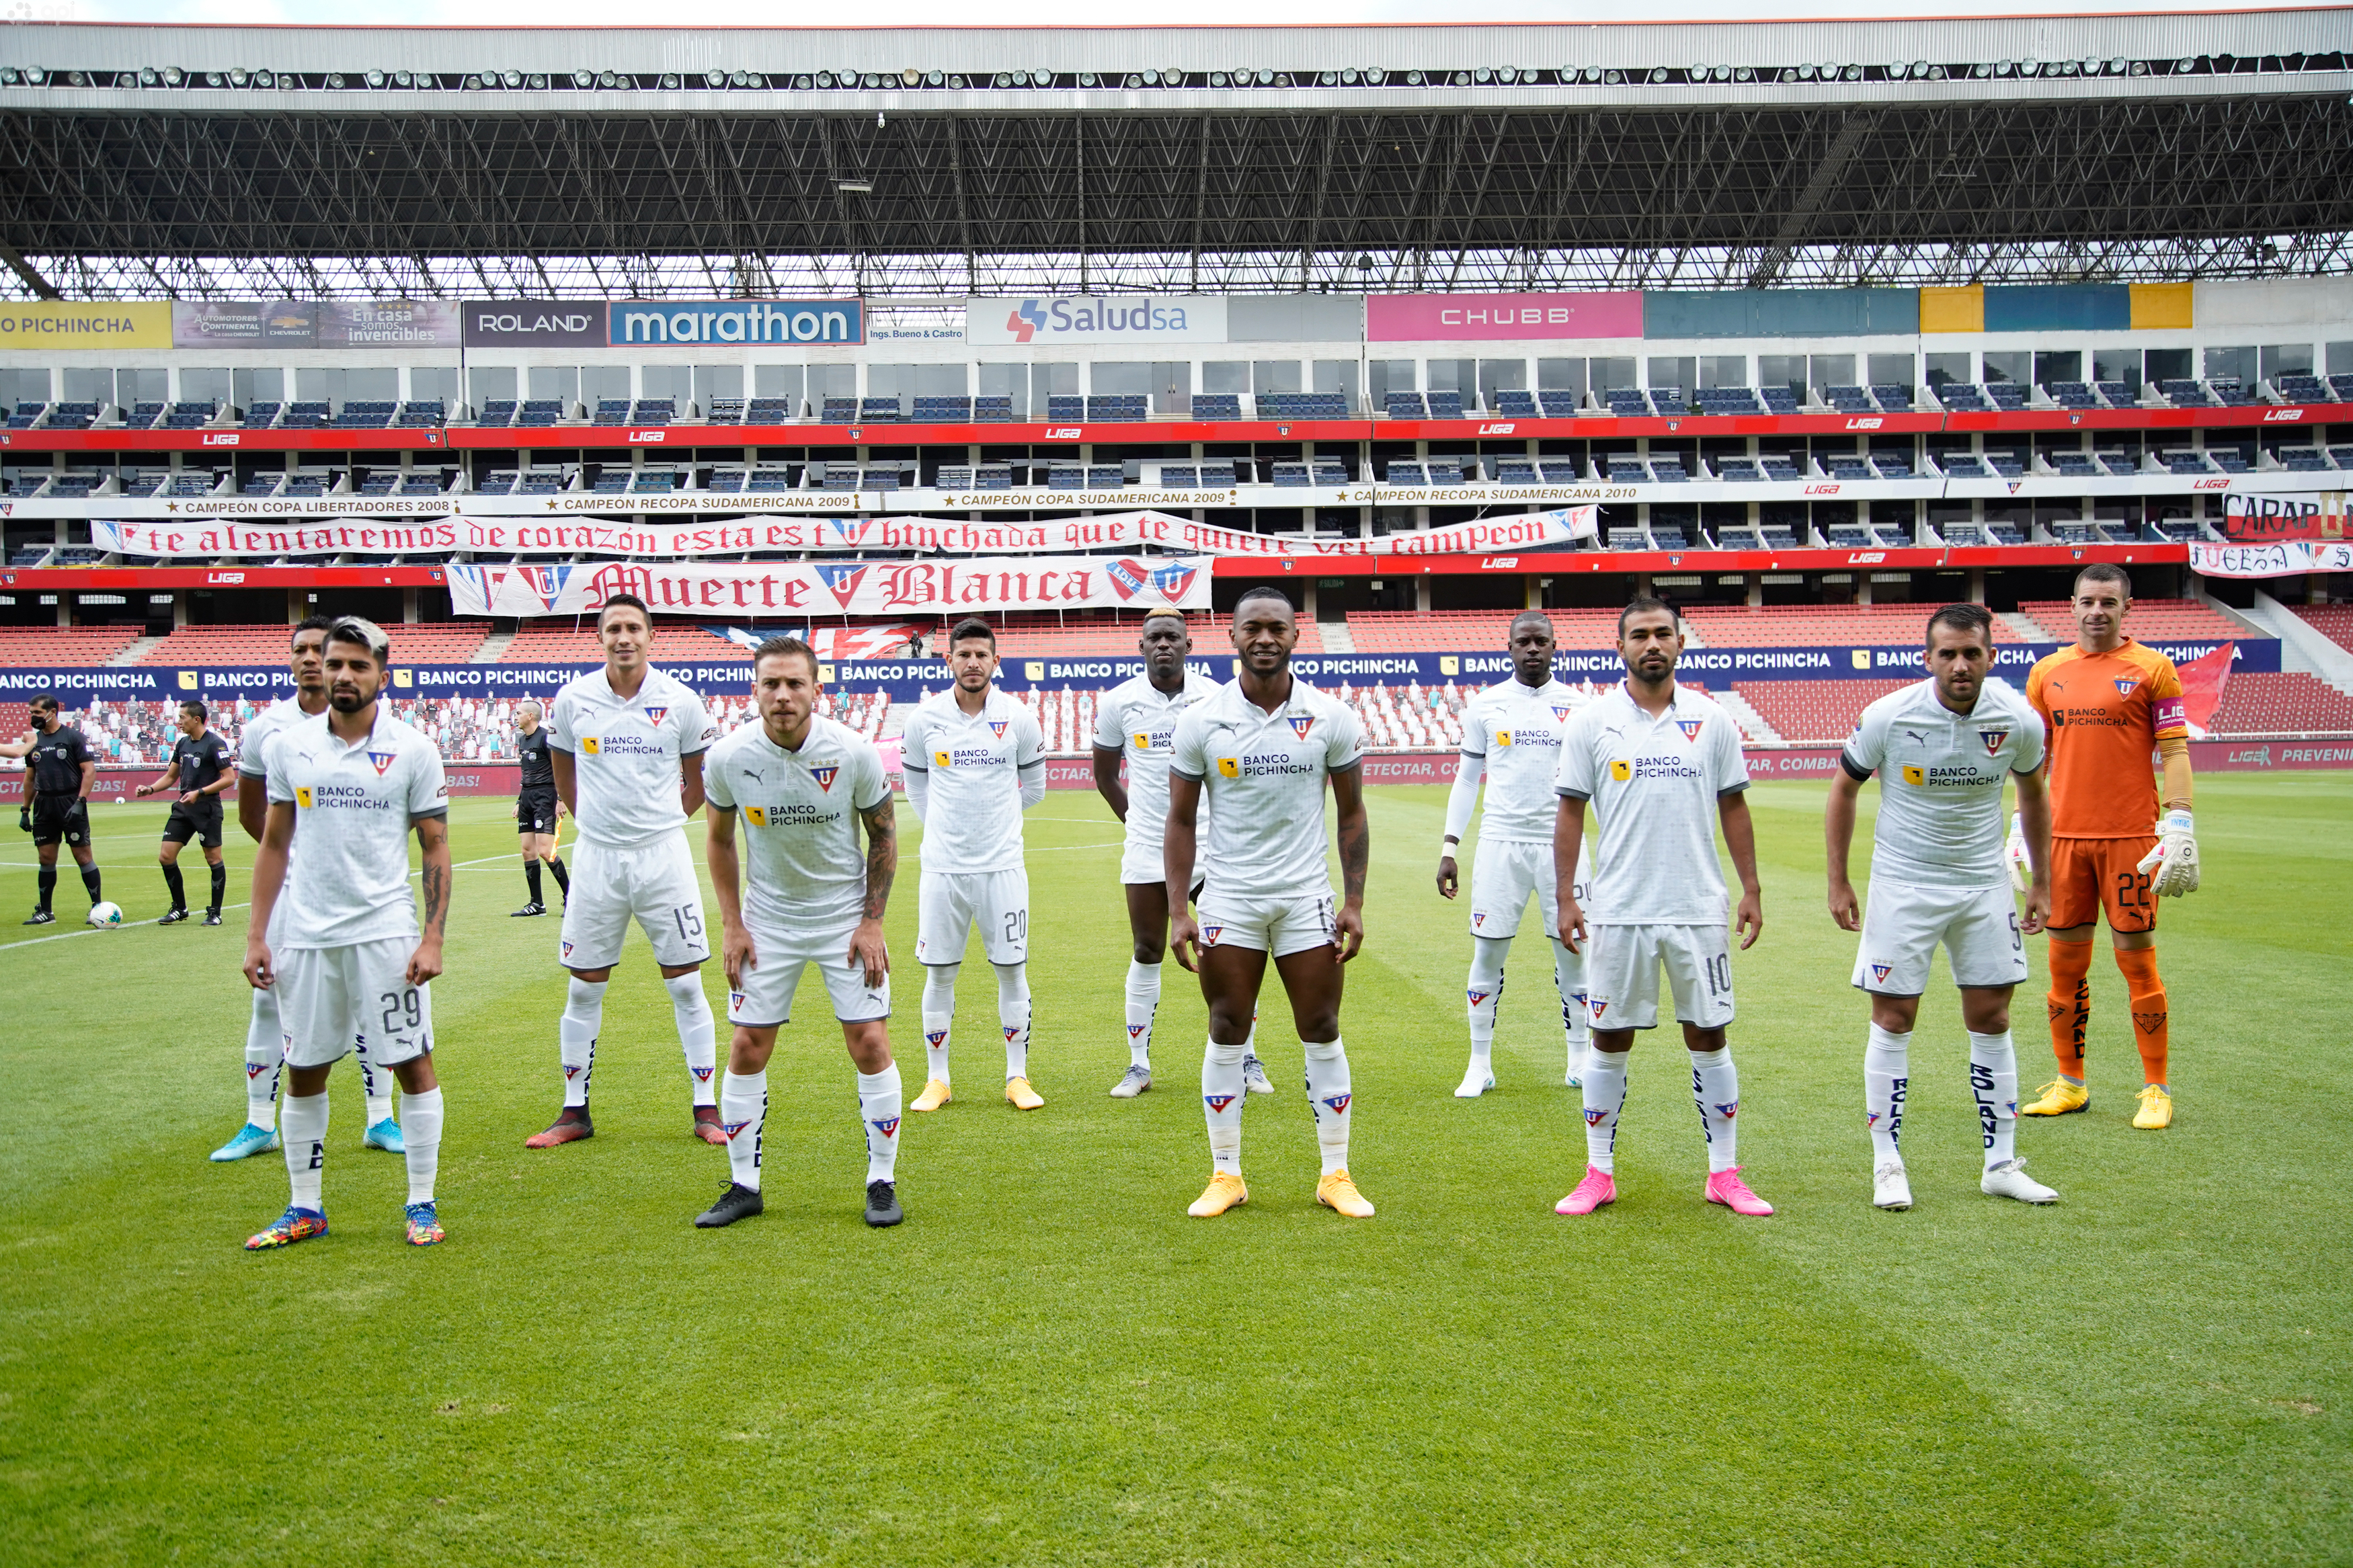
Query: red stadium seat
(2150, 620)
(33, 647)
(1808, 626)
(2334, 622)
(435, 642)
(2282, 703)
(1814, 711)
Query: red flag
(2202, 680)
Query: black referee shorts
(60, 819)
(535, 811)
(201, 822)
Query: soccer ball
(106, 914)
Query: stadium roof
(140, 161)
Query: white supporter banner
(2283, 558)
(836, 588)
(210, 538)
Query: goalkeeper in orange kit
(2108, 702)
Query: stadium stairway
(494, 646)
(1752, 723)
(2023, 627)
(1335, 637)
(137, 650)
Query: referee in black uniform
(200, 774)
(57, 803)
(536, 807)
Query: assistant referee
(200, 775)
(57, 802)
(537, 808)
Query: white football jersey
(1139, 720)
(353, 808)
(1940, 777)
(1515, 731)
(1261, 777)
(972, 765)
(1654, 784)
(253, 746)
(626, 754)
(798, 825)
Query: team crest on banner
(1300, 723)
(850, 531)
(383, 761)
(823, 773)
(2125, 684)
(1128, 578)
(841, 579)
(1993, 740)
(545, 583)
(1691, 727)
(1172, 581)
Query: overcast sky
(934, 12)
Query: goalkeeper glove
(2021, 869)
(2173, 866)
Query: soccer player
(1510, 734)
(1656, 762)
(538, 810)
(1942, 750)
(799, 786)
(975, 760)
(265, 1048)
(2109, 701)
(198, 777)
(60, 769)
(1137, 721)
(1258, 752)
(626, 745)
(349, 955)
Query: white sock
(698, 1033)
(1715, 1087)
(1485, 992)
(1142, 1002)
(939, 1016)
(420, 1139)
(878, 1105)
(1329, 1099)
(1886, 1076)
(1605, 1097)
(302, 1123)
(1993, 1082)
(378, 1087)
(742, 1111)
(1569, 979)
(265, 1058)
(1221, 1096)
(1013, 1016)
(575, 1037)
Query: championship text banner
(209, 537)
(836, 588)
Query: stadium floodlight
(936, 78)
(1413, 79)
(1695, 73)
(212, 78)
(173, 76)
(36, 75)
(1613, 79)
(1217, 78)
(1658, 74)
(1168, 78)
(958, 83)
(334, 81)
(911, 78)
(1021, 78)
(1327, 79)
(76, 78)
(1590, 73)
(825, 79)
(1348, 78)
(474, 83)
(1852, 73)
(608, 78)
(237, 76)
(2091, 67)
(2003, 68)
(149, 75)
(538, 81)
(854, 188)
(1376, 77)
(402, 79)
(583, 81)
(7, 76)
(264, 79)
(714, 78)
(2140, 67)
(1482, 75)
(1742, 73)
(1936, 73)
(514, 80)
(1089, 78)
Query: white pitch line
(127, 925)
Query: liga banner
(214, 537)
(835, 588)
(2283, 558)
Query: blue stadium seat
(142, 416)
(1669, 401)
(1407, 405)
(2071, 393)
(1445, 405)
(838, 411)
(365, 415)
(1558, 471)
(1217, 405)
(876, 411)
(724, 481)
(1780, 399)
(540, 412)
(992, 476)
(943, 410)
(1559, 405)
(1121, 407)
(992, 410)
(1403, 473)
(1738, 470)
(1850, 400)
(1515, 404)
(1066, 408)
(771, 410)
(1628, 403)
(1217, 474)
(1895, 399)
(767, 482)
(2116, 393)
(654, 411)
(72, 415)
(723, 411)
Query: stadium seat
(838, 411)
(2150, 620)
(27, 415)
(877, 411)
(771, 410)
(1121, 407)
(1451, 631)
(2071, 393)
(1558, 404)
(1850, 400)
(992, 410)
(2288, 703)
(1066, 408)
(1515, 404)
(1893, 398)
(724, 411)
(77, 646)
(1217, 405)
(2008, 396)
(1445, 405)
(943, 410)
(1407, 405)
(1779, 399)
(365, 415)
(1822, 711)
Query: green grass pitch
(1049, 1363)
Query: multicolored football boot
(295, 1224)
(424, 1225)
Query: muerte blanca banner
(835, 588)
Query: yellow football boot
(2156, 1112)
(1337, 1192)
(1224, 1191)
(935, 1095)
(1021, 1096)
(2059, 1097)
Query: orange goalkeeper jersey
(2105, 712)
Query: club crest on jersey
(571, 1073)
(1870, 1119)
(567, 950)
(1300, 723)
(2126, 683)
(255, 1069)
(1477, 918)
(1228, 768)
(1338, 1103)
(1218, 1101)
(383, 761)
(1598, 1006)
(1880, 972)
(1993, 740)
(1013, 1032)
(737, 1001)
(997, 727)
(1210, 935)
(888, 1126)
(1560, 711)
(656, 715)
(823, 773)
(1691, 727)
(757, 816)
(1476, 997)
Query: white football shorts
(766, 999)
(329, 996)
(1277, 925)
(1504, 875)
(653, 883)
(1903, 922)
(1621, 975)
(948, 904)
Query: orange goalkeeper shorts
(2090, 875)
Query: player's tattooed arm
(881, 855)
(433, 839)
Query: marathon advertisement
(706, 323)
(837, 588)
(211, 538)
